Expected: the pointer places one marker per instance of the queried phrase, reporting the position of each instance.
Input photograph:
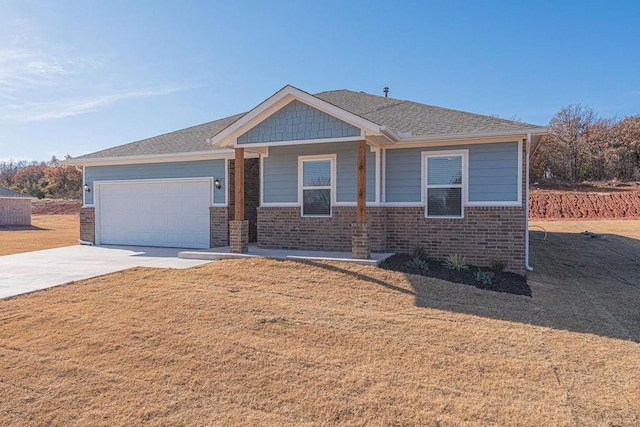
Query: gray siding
(280, 171)
(298, 121)
(197, 169)
(493, 172)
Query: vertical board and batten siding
(493, 172)
(296, 122)
(280, 171)
(171, 170)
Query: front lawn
(264, 342)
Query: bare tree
(564, 154)
(623, 160)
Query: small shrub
(455, 262)
(498, 265)
(419, 251)
(484, 277)
(417, 264)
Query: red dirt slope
(55, 207)
(596, 204)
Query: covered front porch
(332, 226)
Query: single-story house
(15, 207)
(338, 170)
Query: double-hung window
(444, 184)
(316, 189)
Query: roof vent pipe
(386, 91)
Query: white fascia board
(469, 138)
(156, 158)
(228, 136)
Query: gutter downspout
(526, 237)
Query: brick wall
(284, 228)
(483, 232)
(218, 227)
(251, 194)
(15, 211)
(88, 224)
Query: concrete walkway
(31, 271)
(254, 251)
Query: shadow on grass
(580, 284)
(22, 228)
(354, 274)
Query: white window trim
(464, 185)
(332, 188)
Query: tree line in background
(580, 146)
(42, 179)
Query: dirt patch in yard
(46, 232)
(263, 342)
(56, 207)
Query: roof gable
(228, 137)
(298, 121)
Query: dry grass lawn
(46, 232)
(264, 342)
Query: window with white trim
(316, 186)
(444, 185)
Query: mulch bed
(511, 283)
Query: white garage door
(153, 213)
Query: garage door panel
(158, 213)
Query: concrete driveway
(30, 271)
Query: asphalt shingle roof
(7, 192)
(403, 117)
(415, 118)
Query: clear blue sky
(80, 76)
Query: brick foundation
(239, 236)
(484, 232)
(360, 240)
(218, 227)
(88, 224)
(15, 211)
(284, 228)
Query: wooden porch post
(239, 228)
(361, 210)
(360, 229)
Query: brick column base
(239, 237)
(88, 224)
(360, 240)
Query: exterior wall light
(87, 188)
(217, 183)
